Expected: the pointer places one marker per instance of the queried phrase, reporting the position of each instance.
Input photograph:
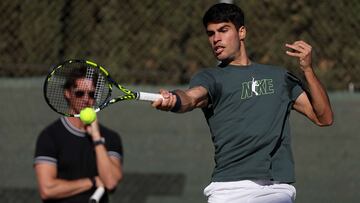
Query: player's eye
(224, 29)
(210, 33)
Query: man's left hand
(303, 51)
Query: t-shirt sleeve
(45, 150)
(206, 80)
(114, 145)
(295, 86)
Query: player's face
(225, 40)
(82, 95)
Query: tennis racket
(96, 196)
(76, 84)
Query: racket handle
(144, 96)
(99, 192)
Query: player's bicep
(303, 105)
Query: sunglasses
(80, 93)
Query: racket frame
(128, 94)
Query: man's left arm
(316, 106)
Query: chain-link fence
(163, 42)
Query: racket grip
(144, 96)
(99, 192)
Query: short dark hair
(78, 73)
(224, 12)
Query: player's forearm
(184, 103)
(190, 100)
(60, 188)
(319, 98)
(109, 172)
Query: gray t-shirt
(248, 116)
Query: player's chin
(220, 56)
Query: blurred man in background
(73, 159)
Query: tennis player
(73, 159)
(247, 107)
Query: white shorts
(250, 191)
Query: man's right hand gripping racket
(76, 84)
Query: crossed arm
(109, 170)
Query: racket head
(76, 84)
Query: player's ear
(242, 32)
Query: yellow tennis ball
(87, 115)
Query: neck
(244, 62)
(76, 122)
(241, 59)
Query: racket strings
(68, 96)
(55, 90)
(101, 91)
